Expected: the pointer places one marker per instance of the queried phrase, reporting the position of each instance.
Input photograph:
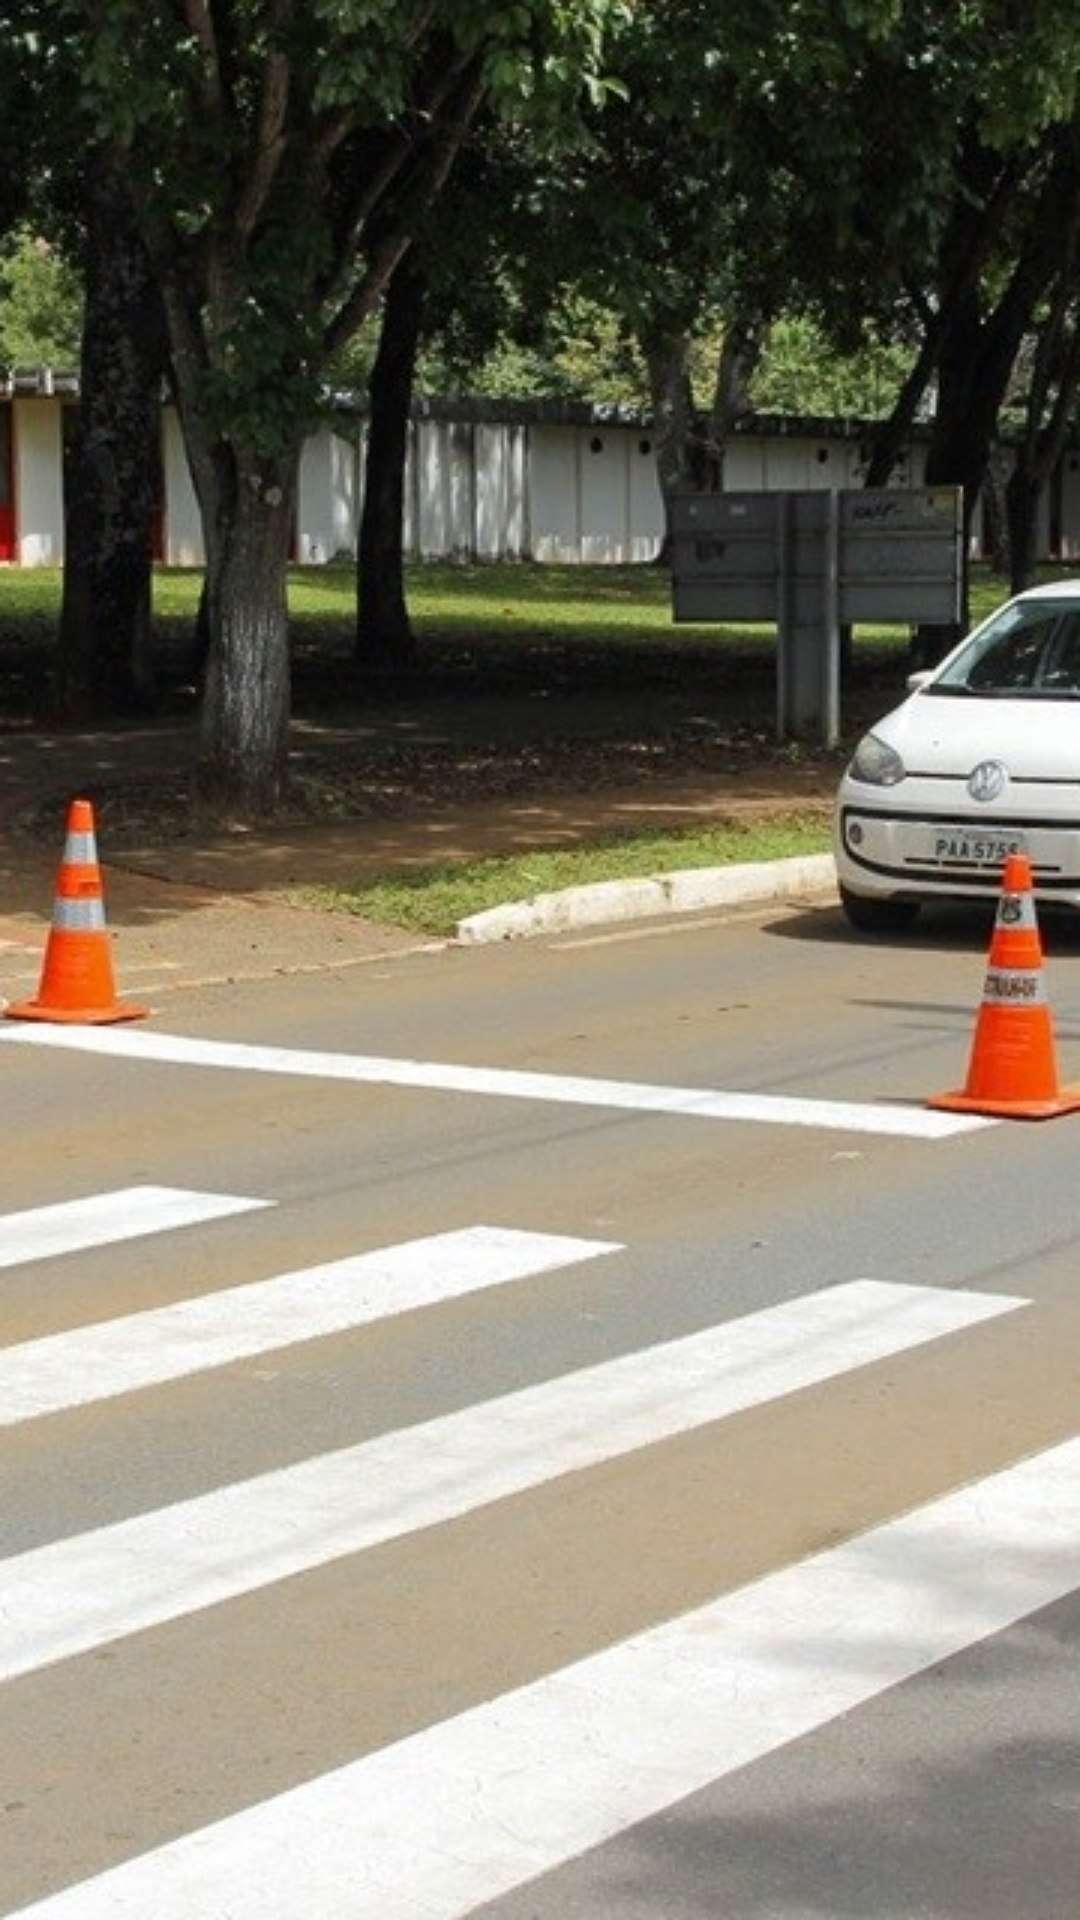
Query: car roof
(1053, 590)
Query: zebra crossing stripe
(94, 1363)
(695, 1103)
(101, 1219)
(440, 1823)
(72, 1595)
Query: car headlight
(876, 763)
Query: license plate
(977, 849)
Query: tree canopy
(837, 205)
(280, 159)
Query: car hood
(1034, 739)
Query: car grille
(909, 847)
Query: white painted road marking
(696, 1103)
(97, 1362)
(102, 1219)
(455, 1816)
(72, 1595)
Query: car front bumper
(929, 842)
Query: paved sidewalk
(225, 908)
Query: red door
(7, 486)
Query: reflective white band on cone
(1015, 986)
(79, 916)
(80, 850)
(1016, 910)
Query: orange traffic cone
(1013, 1072)
(77, 976)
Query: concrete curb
(690, 890)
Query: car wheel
(878, 916)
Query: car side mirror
(917, 680)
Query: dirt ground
(524, 749)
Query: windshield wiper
(957, 692)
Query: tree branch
(421, 24)
(981, 230)
(335, 128)
(201, 25)
(269, 131)
(420, 194)
(402, 147)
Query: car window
(1028, 650)
(1014, 660)
(1061, 670)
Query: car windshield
(1029, 651)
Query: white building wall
(344, 495)
(183, 528)
(37, 425)
(744, 465)
(494, 490)
(605, 486)
(315, 505)
(433, 488)
(517, 505)
(461, 489)
(446, 506)
(554, 494)
(646, 530)
(1070, 507)
(797, 464)
(413, 460)
(498, 468)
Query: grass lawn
(474, 603)
(599, 639)
(433, 899)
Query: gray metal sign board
(900, 555)
(726, 547)
(810, 561)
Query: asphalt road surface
(558, 1432)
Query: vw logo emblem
(987, 780)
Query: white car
(981, 760)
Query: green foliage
(40, 305)
(801, 373)
(276, 152)
(580, 352)
(583, 353)
(777, 156)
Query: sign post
(809, 563)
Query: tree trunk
(740, 352)
(1049, 413)
(385, 642)
(986, 188)
(957, 456)
(112, 476)
(973, 373)
(245, 719)
(667, 358)
(996, 514)
(892, 436)
(978, 359)
(744, 338)
(1022, 496)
